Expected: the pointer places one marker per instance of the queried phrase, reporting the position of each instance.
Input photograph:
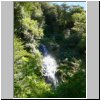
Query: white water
(49, 69)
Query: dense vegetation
(62, 29)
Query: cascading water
(49, 67)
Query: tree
(46, 23)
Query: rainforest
(49, 50)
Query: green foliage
(33, 26)
(27, 76)
(23, 18)
(47, 23)
(79, 22)
(74, 88)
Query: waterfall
(49, 67)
